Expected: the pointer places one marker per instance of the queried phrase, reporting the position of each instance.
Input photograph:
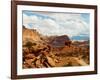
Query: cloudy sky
(75, 25)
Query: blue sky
(86, 17)
(50, 23)
(41, 16)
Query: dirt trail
(81, 61)
(71, 61)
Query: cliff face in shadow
(59, 41)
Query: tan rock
(51, 61)
(38, 63)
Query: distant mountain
(81, 43)
(59, 41)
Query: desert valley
(41, 51)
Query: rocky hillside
(36, 52)
(30, 35)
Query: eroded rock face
(41, 57)
(30, 35)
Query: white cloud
(70, 24)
